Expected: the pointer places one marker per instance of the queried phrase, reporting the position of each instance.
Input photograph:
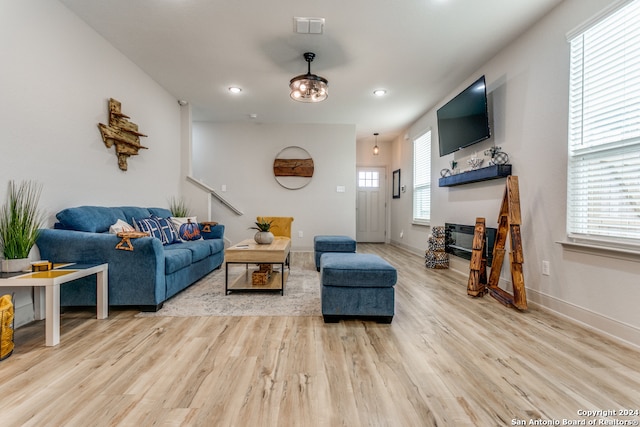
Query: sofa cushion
(200, 249)
(356, 270)
(92, 219)
(176, 257)
(216, 245)
(161, 212)
(131, 212)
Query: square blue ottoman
(357, 285)
(322, 244)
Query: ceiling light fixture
(376, 150)
(309, 87)
(380, 92)
(235, 89)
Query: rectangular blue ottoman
(322, 244)
(357, 285)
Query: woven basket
(436, 260)
(260, 278)
(435, 244)
(6, 326)
(438, 231)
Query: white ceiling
(418, 50)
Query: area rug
(206, 298)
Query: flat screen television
(464, 120)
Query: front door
(370, 205)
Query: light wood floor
(446, 360)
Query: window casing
(603, 197)
(422, 179)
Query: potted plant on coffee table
(20, 222)
(264, 236)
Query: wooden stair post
(509, 221)
(477, 284)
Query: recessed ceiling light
(380, 92)
(235, 89)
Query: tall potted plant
(20, 222)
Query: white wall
(528, 90)
(56, 77)
(240, 156)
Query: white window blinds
(422, 179)
(604, 129)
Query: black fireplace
(459, 241)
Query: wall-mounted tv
(464, 120)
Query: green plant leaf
(262, 225)
(20, 219)
(178, 207)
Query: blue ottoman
(322, 244)
(357, 285)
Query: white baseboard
(615, 329)
(23, 315)
(419, 252)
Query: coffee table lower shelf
(244, 283)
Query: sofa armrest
(131, 273)
(217, 232)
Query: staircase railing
(213, 192)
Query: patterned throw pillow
(151, 226)
(168, 229)
(188, 227)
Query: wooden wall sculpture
(121, 133)
(293, 167)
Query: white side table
(46, 295)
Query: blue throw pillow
(151, 226)
(188, 227)
(167, 228)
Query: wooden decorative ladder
(477, 285)
(509, 221)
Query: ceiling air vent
(308, 25)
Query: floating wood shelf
(482, 174)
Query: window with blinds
(603, 200)
(422, 179)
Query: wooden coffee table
(249, 252)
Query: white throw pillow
(119, 226)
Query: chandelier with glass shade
(309, 87)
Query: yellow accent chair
(280, 225)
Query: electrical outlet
(223, 188)
(401, 234)
(300, 234)
(546, 268)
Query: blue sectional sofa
(144, 277)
